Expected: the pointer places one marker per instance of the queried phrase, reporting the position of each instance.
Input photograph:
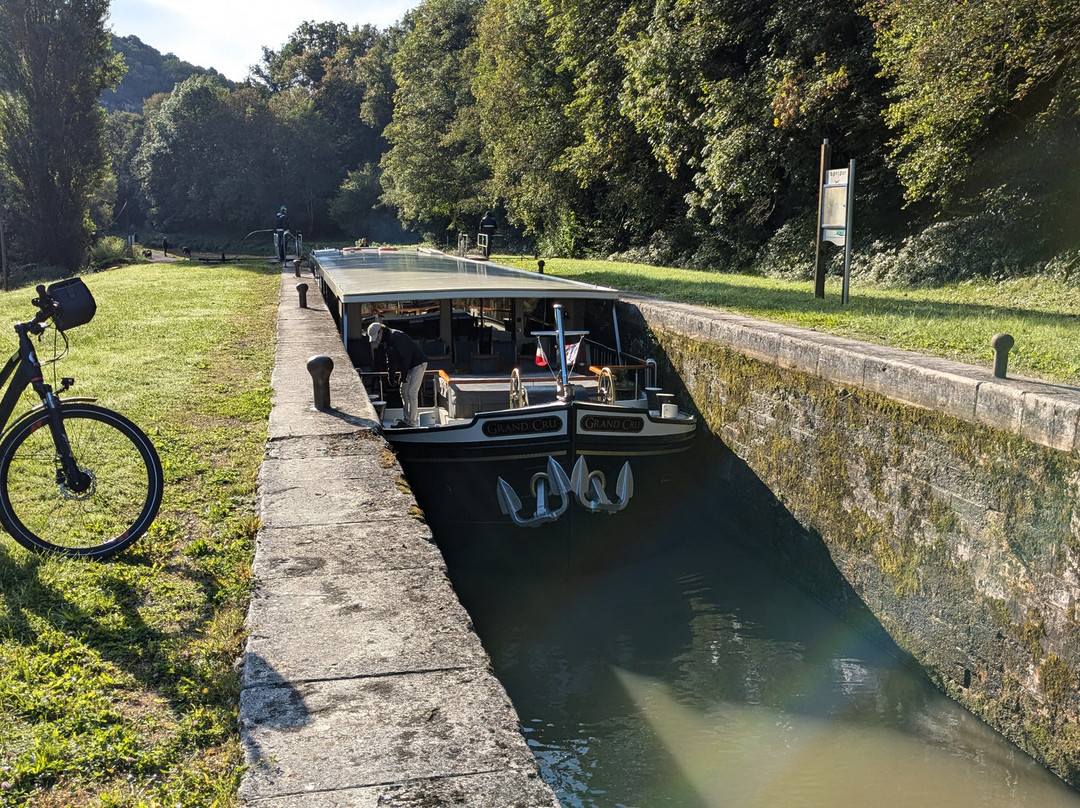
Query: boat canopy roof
(371, 274)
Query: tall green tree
(207, 156)
(303, 60)
(124, 135)
(736, 96)
(970, 75)
(331, 86)
(435, 172)
(523, 100)
(55, 62)
(627, 191)
(307, 161)
(986, 127)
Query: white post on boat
(562, 345)
(618, 339)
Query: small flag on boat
(541, 360)
(571, 354)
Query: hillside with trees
(148, 73)
(684, 133)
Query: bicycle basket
(74, 303)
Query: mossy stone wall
(962, 539)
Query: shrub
(109, 251)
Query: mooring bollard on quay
(1002, 344)
(320, 368)
(301, 289)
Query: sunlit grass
(118, 681)
(955, 321)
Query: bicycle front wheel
(118, 497)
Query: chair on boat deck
(463, 351)
(434, 348)
(506, 352)
(442, 362)
(483, 364)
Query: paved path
(364, 684)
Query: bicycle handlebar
(46, 304)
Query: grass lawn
(955, 321)
(118, 680)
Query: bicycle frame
(23, 370)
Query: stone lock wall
(946, 498)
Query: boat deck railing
(631, 380)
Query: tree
(523, 100)
(627, 193)
(968, 74)
(735, 97)
(330, 88)
(124, 135)
(435, 170)
(302, 61)
(55, 62)
(306, 165)
(353, 206)
(207, 156)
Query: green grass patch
(955, 321)
(119, 681)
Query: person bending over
(399, 355)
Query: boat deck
(468, 395)
(465, 396)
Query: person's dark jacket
(399, 352)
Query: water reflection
(698, 677)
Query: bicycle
(76, 479)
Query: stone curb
(364, 683)
(1044, 413)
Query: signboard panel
(836, 176)
(834, 206)
(834, 222)
(834, 235)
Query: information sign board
(834, 204)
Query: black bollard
(320, 367)
(540, 266)
(302, 289)
(296, 267)
(1002, 344)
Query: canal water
(697, 675)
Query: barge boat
(540, 440)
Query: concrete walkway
(364, 684)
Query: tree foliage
(682, 131)
(124, 131)
(522, 99)
(690, 129)
(435, 171)
(55, 61)
(985, 121)
(207, 155)
(969, 75)
(221, 158)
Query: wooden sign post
(836, 196)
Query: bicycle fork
(74, 482)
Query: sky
(229, 35)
